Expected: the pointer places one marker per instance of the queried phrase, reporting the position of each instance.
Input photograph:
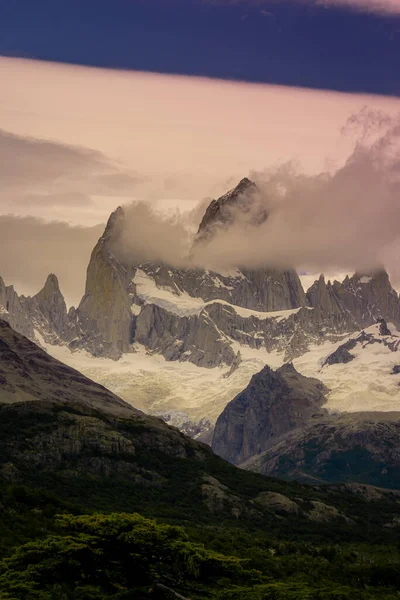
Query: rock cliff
(274, 403)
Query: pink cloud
(385, 7)
(377, 6)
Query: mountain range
(298, 383)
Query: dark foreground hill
(67, 445)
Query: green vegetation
(126, 556)
(92, 520)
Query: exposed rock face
(199, 430)
(58, 426)
(218, 497)
(104, 313)
(110, 318)
(13, 311)
(196, 339)
(48, 312)
(369, 297)
(244, 199)
(41, 316)
(323, 513)
(30, 374)
(358, 447)
(342, 354)
(278, 503)
(383, 328)
(274, 403)
(257, 289)
(323, 298)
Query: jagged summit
(113, 221)
(50, 288)
(358, 301)
(244, 199)
(274, 403)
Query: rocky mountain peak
(51, 290)
(113, 223)
(369, 296)
(244, 199)
(274, 403)
(322, 298)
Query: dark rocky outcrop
(357, 447)
(341, 354)
(244, 199)
(383, 328)
(273, 404)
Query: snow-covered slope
(366, 383)
(158, 386)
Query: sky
(196, 107)
(345, 45)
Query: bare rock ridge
(273, 404)
(40, 317)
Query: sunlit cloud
(372, 6)
(77, 142)
(384, 7)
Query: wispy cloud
(370, 6)
(343, 221)
(42, 173)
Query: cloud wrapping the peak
(343, 221)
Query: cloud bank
(342, 221)
(42, 174)
(71, 134)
